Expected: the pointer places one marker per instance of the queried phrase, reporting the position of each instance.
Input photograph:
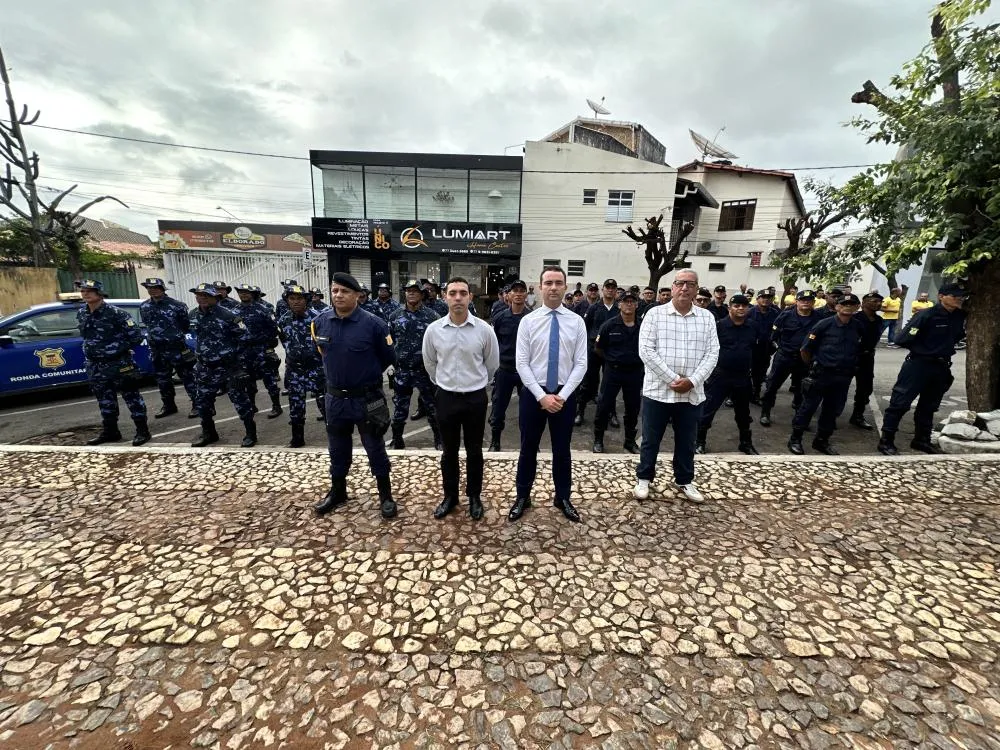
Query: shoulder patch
(914, 331)
(388, 339)
(812, 336)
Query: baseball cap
(769, 293)
(412, 284)
(97, 286)
(953, 290)
(208, 288)
(611, 282)
(295, 289)
(592, 287)
(849, 299)
(720, 288)
(739, 299)
(806, 294)
(383, 285)
(153, 281)
(518, 285)
(629, 296)
(873, 295)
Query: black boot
(397, 435)
(598, 441)
(578, 422)
(436, 432)
(795, 442)
(495, 440)
(746, 444)
(336, 497)
(276, 410)
(142, 435)
(755, 397)
(613, 422)
(419, 412)
(858, 420)
(765, 417)
(208, 434)
(886, 445)
(250, 439)
(923, 444)
(169, 407)
(386, 503)
(630, 445)
(699, 442)
(109, 433)
(193, 414)
(822, 444)
(298, 436)
(321, 405)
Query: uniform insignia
(130, 323)
(812, 336)
(388, 340)
(50, 358)
(914, 331)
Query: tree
(943, 189)
(19, 185)
(660, 260)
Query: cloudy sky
(466, 76)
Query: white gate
(185, 270)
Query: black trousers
(758, 366)
(718, 388)
(504, 384)
(828, 389)
(864, 381)
(782, 366)
(629, 382)
(926, 379)
(591, 384)
(458, 415)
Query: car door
(45, 351)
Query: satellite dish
(711, 148)
(599, 109)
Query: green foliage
(16, 249)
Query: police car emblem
(50, 358)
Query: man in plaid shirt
(679, 346)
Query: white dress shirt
(675, 346)
(533, 350)
(460, 358)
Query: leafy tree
(16, 249)
(660, 259)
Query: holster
(377, 417)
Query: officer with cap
(618, 346)
(385, 303)
(258, 297)
(354, 389)
(591, 297)
(366, 303)
(831, 352)
(282, 307)
(597, 315)
(220, 366)
(433, 298)
(501, 303)
(109, 336)
(830, 300)
(506, 379)
(407, 326)
(932, 336)
(303, 366)
(317, 303)
(226, 301)
(864, 379)
(789, 333)
(718, 306)
(166, 322)
(762, 316)
(731, 378)
(259, 341)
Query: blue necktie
(552, 376)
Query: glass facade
(494, 196)
(341, 191)
(442, 194)
(390, 193)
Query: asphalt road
(71, 417)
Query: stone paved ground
(153, 599)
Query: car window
(51, 324)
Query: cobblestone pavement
(166, 598)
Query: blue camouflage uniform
(369, 306)
(441, 307)
(260, 336)
(266, 305)
(166, 321)
(407, 330)
(303, 364)
(356, 350)
(220, 366)
(387, 308)
(281, 308)
(109, 336)
(317, 304)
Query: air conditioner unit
(707, 248)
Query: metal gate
(117, 284)
(185, 270)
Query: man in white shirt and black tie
(551, 362)
(679, 345)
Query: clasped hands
(681, 385)
(552, 403)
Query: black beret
(345, 279)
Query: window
(620, 205)
(341, 187)
(54, 324)
(755, 259)
(716, 267)
(391, 192)
(575, 267)
(551, 262)
(494, 196)
(442, 194)
(737, 215)
(590, 197)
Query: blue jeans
(891, 325)
(656, 415)
(533, 420)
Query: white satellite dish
(711, 148)
(599, 109)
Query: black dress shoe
(795, 446)
(598, 445)
(748, 448)
(517, 509)
(887, 448)
(475, 508)
(765, 418)
(566, 506)
(631, 446)
(613, 422)
(328, 503)
(578, 422)
(823, 446)
(445, 507)
(858, 420)
(699, 448)
(925, 446)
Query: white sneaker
(641, 490)
(691, 493)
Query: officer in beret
(762, 316)
(282, 306)
(109, 336)
(259, 341)
(789, 333)
(220, 366)
(226, 301)
(703, 297)
(864, 380)
(385, 303)
(317, 303)
(354, 389)
(932, 335)
(166, 321)
(303, 365)
(618, 346)
(830, 351)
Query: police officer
(258, 297)
(597, 315)
(407, 326)
(591, 298)
(506, 379)
(227, 302)
(831, 352)
(385, 303)
(931, 336)
(864, 379)
(788, 332)
(738, 338)
(317, 303)
(366, 303)
(303, 366)
(354, 389)
(718, 306)
(830, 300)
(501, 304)
(166, 321)
(109, 336)
(617, 344)
(220, 364)
(260, 338)
(433, 298)
(762, 316)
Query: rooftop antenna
(710, 147)
(599, 109)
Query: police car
(41, 347)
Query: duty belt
(625, 368)
(928, 358)
(351, 392)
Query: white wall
(556, 224)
